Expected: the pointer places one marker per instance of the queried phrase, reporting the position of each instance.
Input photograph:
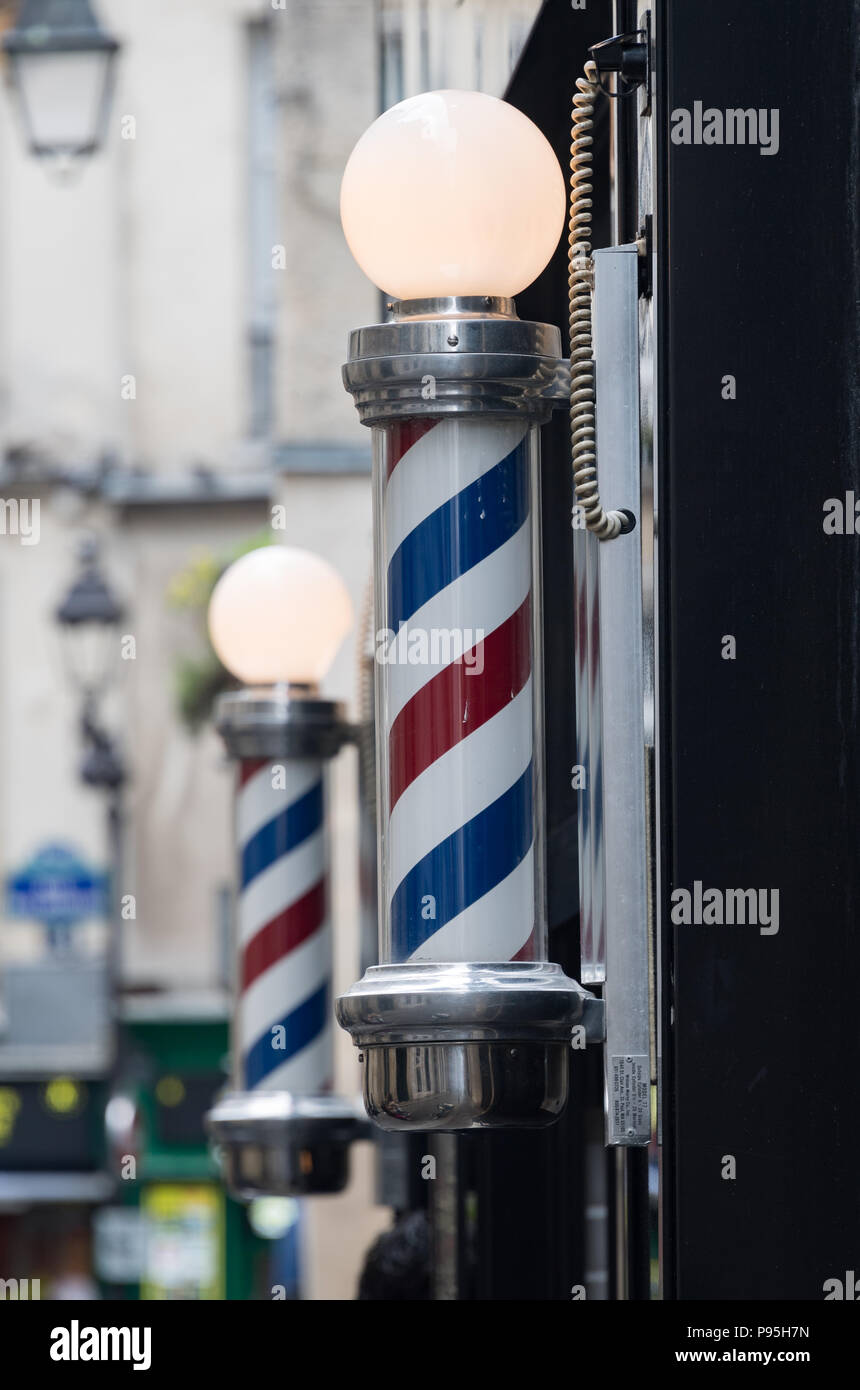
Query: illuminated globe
(452, 193)
(279, 614)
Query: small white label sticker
(629, 1098)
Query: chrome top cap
(455, 356)
(483, 306)
(280, 721)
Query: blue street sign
(57, 888)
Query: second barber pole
(277, 618)
(284, 947)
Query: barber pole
(284, 971)
(281, 1131)
(460, 881)
(464, 1023)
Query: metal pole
(115, 954)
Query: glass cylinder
(283, 1022)
(589, 742)
(459, 690)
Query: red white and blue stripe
(285, 1029)
(459, 856)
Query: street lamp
(276, 618)
(61, 67)
(453, 202)
(89, 618)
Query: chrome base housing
(271, 1144)
(449, 1046)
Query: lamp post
(61, 68)
(452, 202)
(276, 618)
(89, 618)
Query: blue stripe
(300, 820)
(463, 868)
(458, 535)
(301, 1026)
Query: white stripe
(481, 600)
(440, 464)
(493, 928)
(464, 781)
(282, 884)
(308, 1071)
(282, 987)
(258, 801)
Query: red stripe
(286, 931)
(249, 767)
(458, 700)
(527, 950)
(401, 437)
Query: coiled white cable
(605, 525)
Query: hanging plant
(199, 676)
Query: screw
(453, 340)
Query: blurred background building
(173, 315)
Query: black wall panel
(758, 279)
